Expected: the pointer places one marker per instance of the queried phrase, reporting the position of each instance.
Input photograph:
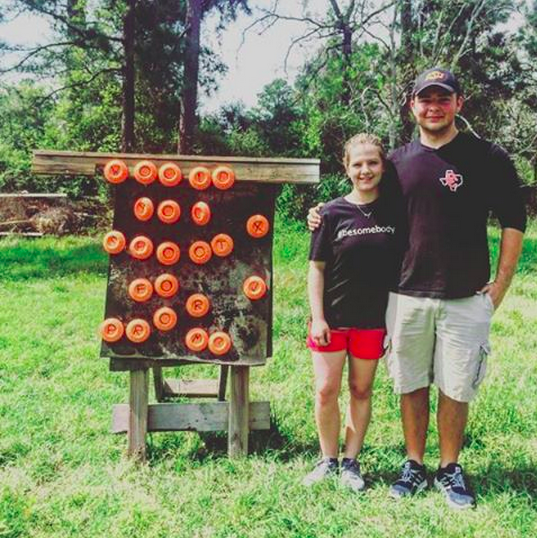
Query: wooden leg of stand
(222, 382)
(139, 389)
(158, 381)
(239, 407)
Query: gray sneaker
(351, 476)
(325, 468)
(412, 480)
(450, 481)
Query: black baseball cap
(436, 76)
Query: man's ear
(460, 102)
(411, 104)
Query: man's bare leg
(415, 417)
(452, 418)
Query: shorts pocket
(481, 366)
(387, 344)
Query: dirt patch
(52, 214)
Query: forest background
(130, 76)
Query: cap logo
(435, 75)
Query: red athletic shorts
(360, 343)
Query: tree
(196, 11)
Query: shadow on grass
(214, 445)
(278, 446)
(521, 480)
(24, 260)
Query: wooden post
(138, 398)
(239, 404)
(159, 383)
(222, 382)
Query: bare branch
(295, 42)
(376, 38)
(477, 10)
(468, 125)
(35, 51)
(364, 112)
(337, 11)
(80, 84)
(383, 102)
(378, 11)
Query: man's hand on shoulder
(314, 217)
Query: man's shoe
(450, 481)
(350, 475)
(411, 481)
(325, 468)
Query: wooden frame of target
(189, 281)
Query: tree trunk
(406, 28)
(127, 127)
(347, 58)
(189, 95)
(343, 25)
(407, 58)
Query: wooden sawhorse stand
(237, 417)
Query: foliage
(366, 56)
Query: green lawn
(63, 474)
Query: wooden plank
(127, 364)
(24, 234)
(36, 195)
(201, 417)
(267, 170)
(137, 415)
(62, 166)
(238, 412)
(193, 388)
(104, 156)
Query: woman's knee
(359, 391)
(327, 391)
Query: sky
(257, 58)
(253, 61)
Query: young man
(438, 321)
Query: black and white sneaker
(325, 468)
(450, 481)
(351, 476)
(412, 480)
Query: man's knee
(419, 394)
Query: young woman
(354, 261)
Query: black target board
(246, 321)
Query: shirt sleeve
(390, 189)
(507, 202)
(321, 245)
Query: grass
(63, 474)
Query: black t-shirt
(449, 193)
(360, 245)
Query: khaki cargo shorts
(440, 341)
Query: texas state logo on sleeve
(452, 180)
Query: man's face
(435, 108)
